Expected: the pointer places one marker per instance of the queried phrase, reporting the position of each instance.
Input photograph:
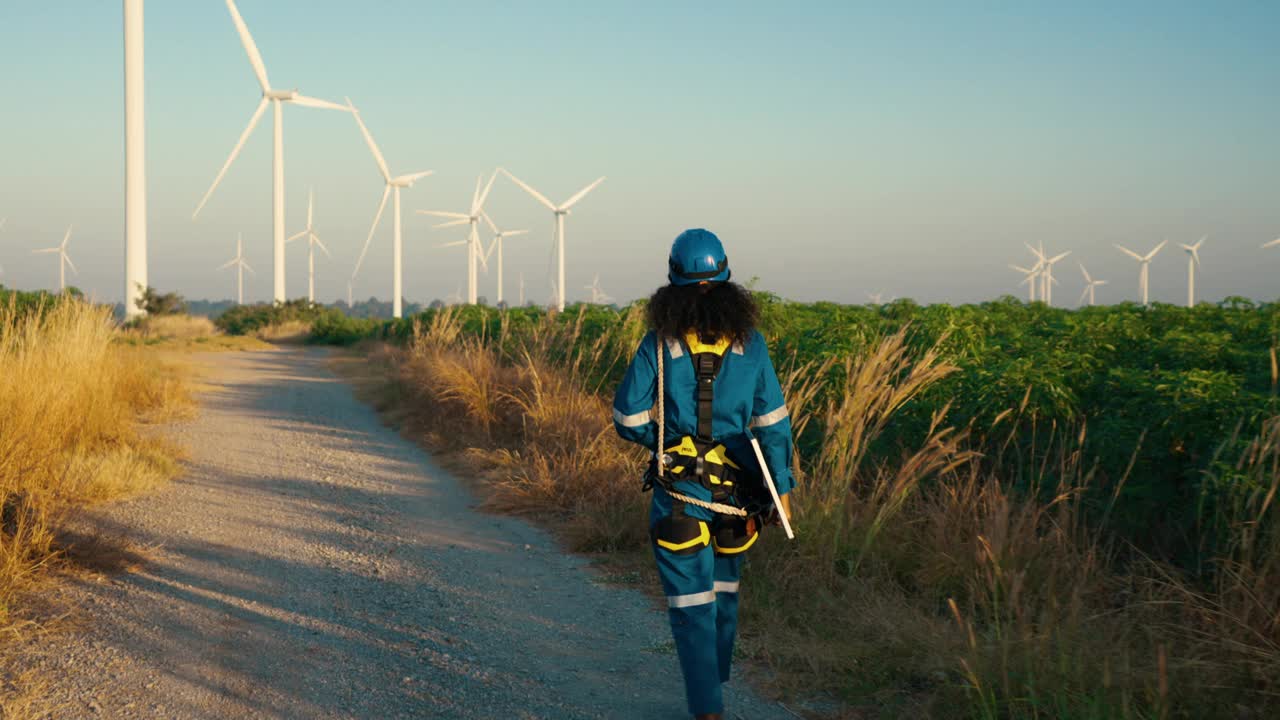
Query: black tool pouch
(731, 534)
(680, 534)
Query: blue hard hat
(696, 257)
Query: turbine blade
(444, 214)
(70, 264)
(1273, 243)
(489, 221)
(453, 244)
(245, 265)
(1059, 257)
(581, 194)
(373, 146)
(248, 130)
(306, 101)
(513, 233)
(414, 177)
(250, 48)
(1083, 295)
(376, 219)
(1129, 252)
(66, 238)
(1099, 282)
(46, 250)
(311, 203)
(320, 245)
(452, 223)
(489, 253)
(1037, 253)
(295, 237)
(536, 195)
(484, 195)
(475, 196)
(1157, 249)
(228, 263)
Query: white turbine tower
(135, 161)
(1090, 285)
(1030, 275)
(1193, 260)
(1050, 280)
(598, 295)
(313, 241)
(240, 265)
(475, 253)
(276, 98)
(498, 237)
(64, 260)
(393, 184)
(560, 211)
(1144, 262)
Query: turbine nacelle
(285, 95)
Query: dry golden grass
(72, 400)
(180, 327)
(290, 331)
(917, 587)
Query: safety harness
(701, 459)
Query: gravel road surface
(312, 563)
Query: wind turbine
(1145, 262)
(1049, 278)
(1090, 285)
(560, 211)
(277, 99)
(1273, 243)
(63, 260)
(498, 237)
(1193, 252)
(598, 295)
(1029, 279)
(312, 241)
(135, 160)
(240, 265)
(455, 298)
(393, 183)
(475, 254)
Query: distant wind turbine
(1030, 275)
(1193, 261)
(475, 254)
(1145, 262)
(276, 98)
(498, 237)
(521, 288)
(240, 265)
(1046, 271)
(560, 211)
(313, 241)
(393, 183)
(456, 297)
(1090, 285)
(598, 295)
(64, 260)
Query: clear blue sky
(837, 147)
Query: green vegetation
(1005, 510)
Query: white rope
(712, 506)
(662, 411)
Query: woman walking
(707, 369)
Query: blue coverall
(702, 588)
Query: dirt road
(314, 564)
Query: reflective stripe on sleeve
(726, 587)
(682, 601)
(640, 419)
(770, 418)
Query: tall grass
(922, 583)
(71, 402)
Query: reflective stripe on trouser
(702, 604)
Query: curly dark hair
(714, 311)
